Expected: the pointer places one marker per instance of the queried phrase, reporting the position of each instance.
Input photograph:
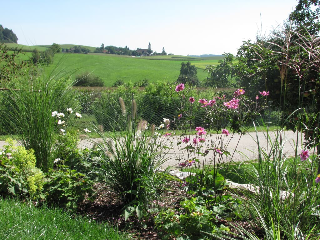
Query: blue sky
(180, 26)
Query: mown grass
(126, 68)
(24, 221)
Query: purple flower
(179, 87)
(318, 178)
(304, 155)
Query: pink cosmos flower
(195, 141)
(257, 97)
(264, 93)
(239, 92)
(191, 99)
(232, 104)
(225, 131)
(200, 131)
(179, 87)
(203, 101)
(186, 140)
(304, 155)
(210, 103)
(167, 134)
(218, 151)
(190, 162)
(183, 164)
(318, 178)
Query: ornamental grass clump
(30, 103)
(130, 162)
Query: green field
(111, 68)
(129, 69)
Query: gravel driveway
(240, 147)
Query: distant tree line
(76, 49)
(127, 51)
(7, 35)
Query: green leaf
(128, 211)
(139, 211)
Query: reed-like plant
(30, 103)
(285, 195)
(131, 161)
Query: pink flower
(211, 103)
(239, 92)
(190, 162)
(203, 101)
(202, 140)
(218, 151)
(195, 141)
(225, 131)
(191, 99)
(318, 178)
(257, 97)
(264, 93)
(200, 131)
(186, 140)
(183, 164)
(180, 116)
(167, 134)
(179, 87)
(304, 155)
(232, 104)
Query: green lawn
(129, 69)
(24, 221)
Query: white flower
(161, 126)
(62, 130)
(59, 115)
(69, 110)
(54, 113)
(86, 130)
(78, 115)
(166, 121)
(56, 160)
(138, 133)
(60, 122)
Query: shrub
(19, 175)
(118, 83)
(88, 80)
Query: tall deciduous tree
(7, 35)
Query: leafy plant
(19, 175)
(67, 188)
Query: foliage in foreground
(25, 221)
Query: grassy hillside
(129, 69)
(26, 48)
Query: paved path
(240, 147)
